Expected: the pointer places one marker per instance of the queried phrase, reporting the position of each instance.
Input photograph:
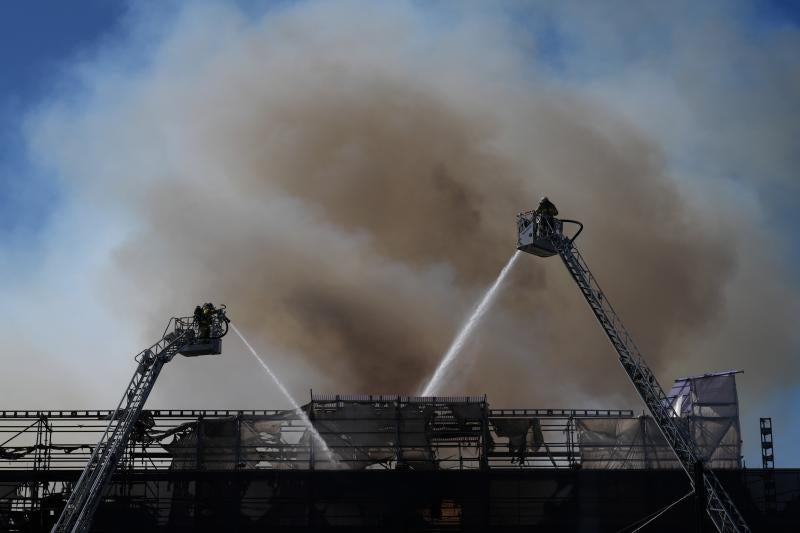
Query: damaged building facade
(388, 463)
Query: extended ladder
(180, 335)
(719, 506)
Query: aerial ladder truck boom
(196, 335)
(541, 233)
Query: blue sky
(44, 44)
(635, 67)
(37, 41)
(40, 40)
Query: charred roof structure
(398, 463)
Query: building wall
(544, 500)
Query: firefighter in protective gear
(545, 218)
(203, 316)
(547, 208)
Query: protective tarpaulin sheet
(362, 434)
(227, 443)
(710, 405)
(708, 409)
(524, 435)
(466, 414)
(619, 443)
(359, 435)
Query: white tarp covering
(619, 443)
(708, 408)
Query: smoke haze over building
(345, 176)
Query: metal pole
(699, 497)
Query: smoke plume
(349, 189)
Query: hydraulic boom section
(195, 335)
(541, 233)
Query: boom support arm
(181, 334)
(543, 236)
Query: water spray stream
(303, 417)
(467, 328)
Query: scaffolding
(179, 462)
(364, 432)
(369, 432)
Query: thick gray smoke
(348, 189)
